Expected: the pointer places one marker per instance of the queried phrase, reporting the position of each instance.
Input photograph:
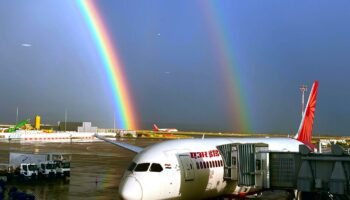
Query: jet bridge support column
(328, 172)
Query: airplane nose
(130, 189)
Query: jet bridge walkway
(305, 173)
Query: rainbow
(125, 115)
(230, 73)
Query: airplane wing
(129, 147)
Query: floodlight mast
(303, 89)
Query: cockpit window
(142, 167)
(132, 166)
(155, 167)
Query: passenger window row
(143, 167)
(209, 164)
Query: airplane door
(187, 167)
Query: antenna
(17, 116)
(303, 89)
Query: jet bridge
(246, 163)
(252, 165)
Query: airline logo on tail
(304, 134)
(155, 128)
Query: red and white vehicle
(169, 130)
(193, 168)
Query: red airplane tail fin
(304, 134)
(155, 127)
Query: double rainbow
(125, 111)
(114, 69)
(230, 72)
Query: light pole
(114, 122)
(65, 120)
(17, 116)
(303, 89)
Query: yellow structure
(28, 127)
(37, 122)
(47, 130)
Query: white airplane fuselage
(170, 130)
(190, 168)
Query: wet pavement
(96, 168)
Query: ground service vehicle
(48, 169)
(27, 170)
(63, 168)
(47, 165)
(62, 162)
(25, 165)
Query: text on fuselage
(205, 154)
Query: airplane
(170, 130)
(193, 168)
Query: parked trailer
(18, 158)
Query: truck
(56, 165)
(63, 168)
(25, 165)
(44, 166)
(63, 164)
(48, 169)
(30, 166)
(27, 170)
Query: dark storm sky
(48, 62)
